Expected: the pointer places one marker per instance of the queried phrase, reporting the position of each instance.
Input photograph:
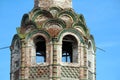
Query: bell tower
(53, 43)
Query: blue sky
(102, 18)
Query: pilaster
(56, 60)
(23, 65)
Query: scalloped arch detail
(79, 24)
(70, 13)
(82, 19)
(25, 19)
(15, 37)
(35, 9)
(39, 12)
(55, 8)
(93, 42)
(37, 31)
(71, 30)
(56, 21)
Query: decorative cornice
(75, 22)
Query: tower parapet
(45, 4)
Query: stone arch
(42, 32)
(40, 45)
(15, 56)
(73, 32)
(55, 21)
(82, 19)
(16, 37)
(90, 45)
(93, 42)
(81, 26)
(35, 9)
(29, 26)
(40, 35)
(54, 26)
(69, 49)
(54, 10)
(25, 19)
(41, 12)
(69, 13)
(79, 41)
(90, 59)
(68, 16)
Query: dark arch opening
(69, 49)
(89, 46)
(40, 45)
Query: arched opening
(89, 54)
(69, 49)
(40, 45)
(90, 61)
(89, 46)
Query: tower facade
(53, 43)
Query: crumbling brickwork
(53, 33)
(53, 3)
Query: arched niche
(37, 43)
(69, 49)
(40, 49)
(73, 40)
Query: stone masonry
(53, 43)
